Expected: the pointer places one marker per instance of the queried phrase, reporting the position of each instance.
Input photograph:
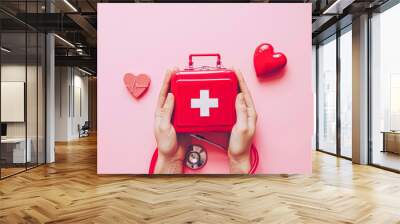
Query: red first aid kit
(204, 97)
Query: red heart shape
(136, 85)
(266, 61)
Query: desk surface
(390, 132)
(13, 140)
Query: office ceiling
(76, 21)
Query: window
(346, 93)
(385, 89)
(327, 96)
(395, 102)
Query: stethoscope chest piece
(195, 157)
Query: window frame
(336, 36)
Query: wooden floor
(5, 172)
(70, 191)
(387, 159)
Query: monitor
(3, 129)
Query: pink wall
(150, 38)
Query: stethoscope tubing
(253, 154)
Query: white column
(360, 90)
(50, 99)
(50, 92)
(63, 99)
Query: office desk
(391, 141)
(13, 150)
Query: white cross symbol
(204, 103)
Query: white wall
(62, 82)
(33, 127)
(16, 73)
(71, 102)
(12, 73)
(81, 103)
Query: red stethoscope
(196, 156)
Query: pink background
(149, 38)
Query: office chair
(84, 130)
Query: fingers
(164, 89)
(241, 112)
(251, 111)
(165, 104)
(169, 105)
(244, 89)
(167, 110)
(251, 119)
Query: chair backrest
(86, 124)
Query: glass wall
(327, 95)
(13, 89)
(22, 88)
(385, 89)
(346, 92)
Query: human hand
(243, 131)
(170, 153)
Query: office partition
(22, 77)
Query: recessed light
(70, 5)
(64, 40)
(84, 71)
(337, 7)
(5, 50)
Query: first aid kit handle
(204, 55)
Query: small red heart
(266, 61)
(136, 85)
